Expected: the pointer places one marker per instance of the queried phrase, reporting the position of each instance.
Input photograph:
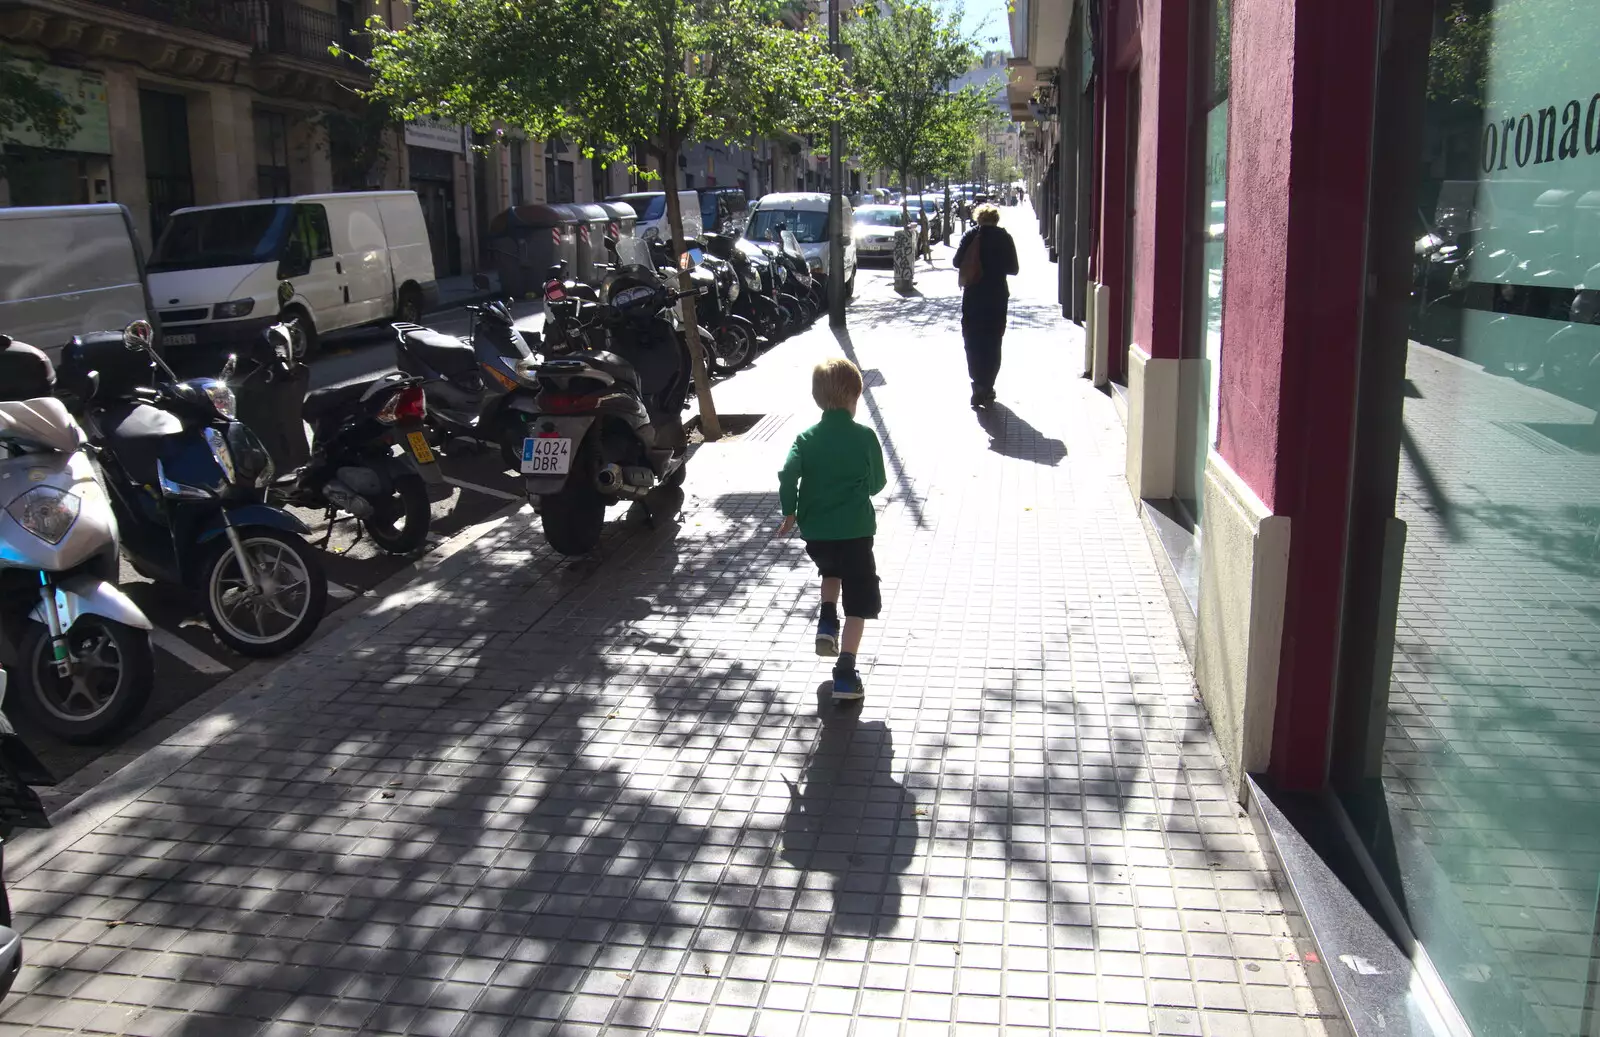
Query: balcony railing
(305, 32)
(233, 21)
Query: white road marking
(489, 491)
(187, 653)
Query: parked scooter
(482, 388)
(733, 337)
(188, 483)
(368, 453)
(78, 647)
(608, 425)
(20, 807)
(754, 300)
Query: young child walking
(826, 488)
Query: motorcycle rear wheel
(574, 518)
(116, 676)
(406, 505)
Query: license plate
(182, 339)
(546, 455)
(419, 447)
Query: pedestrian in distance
(825, 490)
(985, 258)
(927, 233)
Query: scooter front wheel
(112, 676)
(286, 602)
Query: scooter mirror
(480, 281)
(285, 292)
(138, 335)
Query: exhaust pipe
(632, 481)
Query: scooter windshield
(633, 252)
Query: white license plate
(186, 339)
(546, 455)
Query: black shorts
(852, 562)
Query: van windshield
(239, 235)
(809, 227)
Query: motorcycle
(776, 317)
(368, 454)
(733, 337)
(188, 484)
(78, 647)
(607, 425)
(480, 389)
(571, 314)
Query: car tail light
(409, 404)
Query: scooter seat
(622, 373)
(139, 434)
(446, 354)
(321, 402)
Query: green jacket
(828, 480)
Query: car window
(878, 217)
(808, 227)
(234, 236)
(311, 228)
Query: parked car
(69, 270)
(875, 230)
(805, 213)
(652, 209)
(356, 258)
(933, 205)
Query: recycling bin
(591, 234)
(623, 218)
(527, 240)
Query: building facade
(1337, 266)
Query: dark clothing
(852, 564)
(998, 255)
(829, 477)
(983, 305)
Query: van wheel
(308, 329)
(409, 307)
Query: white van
(353, 258)
(652, 209)
(806, 214)
(68, 270)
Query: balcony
(231, 21)
(299, 31)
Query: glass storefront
(1482, 810)
(1198, 379)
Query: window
(236, 235)
(169, 177)
(808, 227)
(311, 229)
(272, 154)
(559, 184)
(1476, 746)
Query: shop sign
(86, 90)
(432, 133)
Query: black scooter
(480, 389)
(188, 484)
(368, 454)
(608, 425)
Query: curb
(118, 778)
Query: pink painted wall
(1162, 179)
(1254, 291)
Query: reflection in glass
(1486, 820)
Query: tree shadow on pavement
(852, 821)
(907, 493)
(1012, 436)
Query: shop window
(272, 154)
(1471, 765)
(1200, 373)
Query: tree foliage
(904, 117)
(28, 105)
(612, 75)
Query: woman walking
(986, 257)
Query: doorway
(433, 178)
(169, 174)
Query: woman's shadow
(852, 820)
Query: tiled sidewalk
(539, 797)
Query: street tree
(904, 117)
(613, 76)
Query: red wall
(1162, 178)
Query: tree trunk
(710, 426)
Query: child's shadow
(852, 820)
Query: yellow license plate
(419, 447)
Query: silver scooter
(77, 647)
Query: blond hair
(987, 215)
(835, 384)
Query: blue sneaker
(827, 637)
(847, 687)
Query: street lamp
(836, 299)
